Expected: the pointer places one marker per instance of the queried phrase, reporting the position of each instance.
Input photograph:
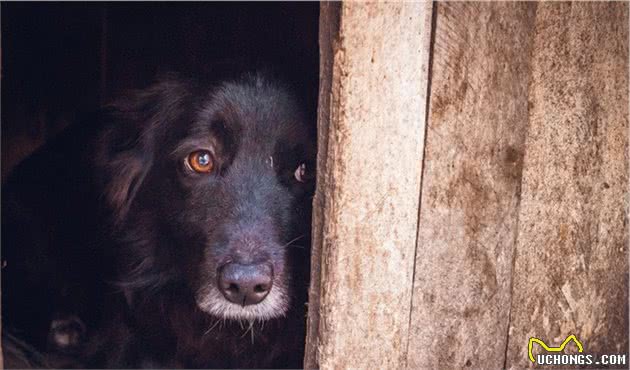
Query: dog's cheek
(188, 249)
(205, 277)
(127, 173)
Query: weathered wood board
(571, 265)
(471, 183)
(523, 212)
(328, 34)
(372, 110)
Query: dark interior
(60, 60)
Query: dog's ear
(126, 146)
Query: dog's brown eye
(300, 173)
(200, 161)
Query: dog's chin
(275, 305)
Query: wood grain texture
(571, 266)
(372, 125)
(471, 183)
(328, 36)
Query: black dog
(175, 226)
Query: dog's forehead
(254, 111)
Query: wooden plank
(328, 35)
(571, 267)
(372, 115)
(471, 183)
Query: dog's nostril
(260, 288)
(233, 288)
(245, 284)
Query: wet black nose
(245, 284)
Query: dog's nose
(245, 284)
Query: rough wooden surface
(369, 185)
(571, 266)
(471, 183)
(328, 35)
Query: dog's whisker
(245, 328)
(212, 327)
(250, 329)
(293, 240)
(251, 326)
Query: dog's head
(210, 190)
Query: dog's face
(214, 193)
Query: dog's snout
(245, 284)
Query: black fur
(108, 223)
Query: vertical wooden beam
(571, 267)
(471, 183)
(371, 131)
(328, 36)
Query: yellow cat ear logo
(533, 340)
